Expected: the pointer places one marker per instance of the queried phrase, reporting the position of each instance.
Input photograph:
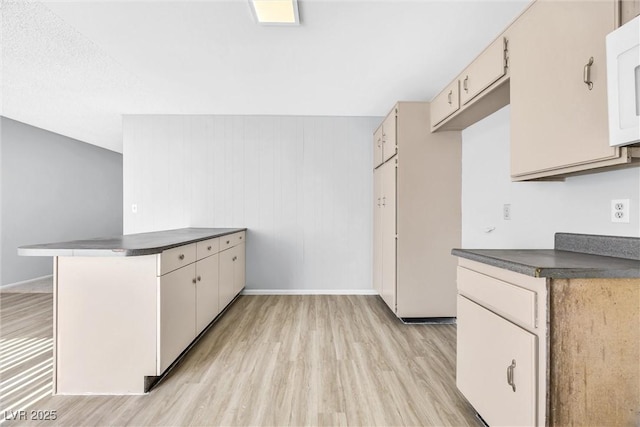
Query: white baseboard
(24, 282)
(309, 292)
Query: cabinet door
(389, 140)
(177, 314)
(206, 291)
(556, 120)
(490, 352)
(445, 104)
(239, 269)
(226, 284)
(389, 234)
(486, 69)
(377, 147)
(377, 231)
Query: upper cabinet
(385, 144)
(550, 65)
(559, 119)
(477, 92)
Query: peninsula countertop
(127, 245)
(574, 256)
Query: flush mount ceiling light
(276, 12)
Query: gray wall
(53, 189)
(303, 186)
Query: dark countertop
(127, 245)
(582, 256)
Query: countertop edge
(33, 250)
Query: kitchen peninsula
(126, 308)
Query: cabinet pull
(234, 258)
(208, 248)
(587, 74)
(181, 256)
(228, 241)
(193, 280)
(465, 84)
(384, 201)
(449, 96)
(510, 379)
(199, 278)
(378, 201)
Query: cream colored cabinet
(177, 314)
(446, 103)
(207, 307)
(559, 89)
(481, 89)
(377, 147)
(497, 363)
(388, 232)
(484, 71)
(389, 142)
(417, 217)
(232, 269)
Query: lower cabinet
(232, 273)
(497, 366)
(207, 301)
(177, 314)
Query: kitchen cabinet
(389, 142)
(232, 270)
(377, 147)
(417, 217)
(559, 119)
(139, 299)
(481, 89)
(497, 366)
(177, 300)
(548, 351)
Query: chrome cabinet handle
(193, 280)
(449, 96)
(465, 84)
(181, 256)
(586, 77)
(199, 278)
(208, 248)
(510, 379)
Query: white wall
(580, 204)
(301, 185)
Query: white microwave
(623, 83)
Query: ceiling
(76, 67)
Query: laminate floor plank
(287, 361)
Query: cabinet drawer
(516, 303)
(496, 366)
(174, 258)
(482, 72)
(207, 247)
(231, 240)
(445, 104)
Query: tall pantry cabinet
(417, 213)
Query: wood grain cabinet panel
(558, 120)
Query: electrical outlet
(620, 210)
(134, 208)
(506, 212)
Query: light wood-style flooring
(289, 360)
